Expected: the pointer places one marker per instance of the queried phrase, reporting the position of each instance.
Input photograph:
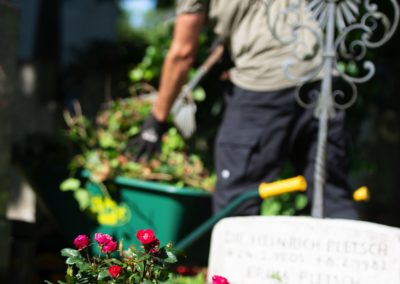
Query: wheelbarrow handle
(265, 190)
(279, 187)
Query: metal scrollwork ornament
(343, 31)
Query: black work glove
(148, 141)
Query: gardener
(263, 125)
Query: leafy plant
(146, 264)
(104, 148)
(104, 151)
(287, 204)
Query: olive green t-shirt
(259, 58)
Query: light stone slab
(303, 250)
(22, 201)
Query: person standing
(263, 126)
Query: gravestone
(303, 250)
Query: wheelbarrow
(264, 190)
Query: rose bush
(146, 264)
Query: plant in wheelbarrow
(102, 151)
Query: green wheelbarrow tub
(171, 212)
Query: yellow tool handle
(361, 194)
(267, 190)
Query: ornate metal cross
(342, 30)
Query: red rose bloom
(109, 247)
(102, 239)
(146, 237)
(115, 271)
(219, 280)
(81, 242)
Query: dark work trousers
(260, 132)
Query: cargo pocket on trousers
(233, 154)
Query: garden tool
(184, 108)
(265, 190)
(361, 194)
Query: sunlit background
(137, 9)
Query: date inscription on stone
(303, 250)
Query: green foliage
(177, 279)
(351, 68)
(70, 184)
(149, 68)
(81, 195)
(199, 94)
(159, 37)
(148, 263)
(276, 276)
(286, 204)
(103, 150)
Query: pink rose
(146, 237)
(219, 280)
(109, 247)
(102, 239)
(81, 242)
(115, 271)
